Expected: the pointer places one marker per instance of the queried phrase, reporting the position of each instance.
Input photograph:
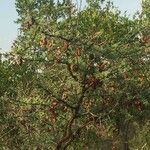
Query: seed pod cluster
(74, 67)
(46, 42)
(94, 82)
(52, 111)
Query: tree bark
(125, 136)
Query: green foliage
(76, 78)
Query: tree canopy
(76, 78)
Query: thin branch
(33, 104)
(143, 146)
(56, 36)
(48, 91)
(7, 132)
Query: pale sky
(9, 30)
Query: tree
(83, 76)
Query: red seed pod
(43, 42)
(49, 43)
(74, 67)
(65, 45)
(78, 51)
(54, 103)
(138, 104)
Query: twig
(48, 91)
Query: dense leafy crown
(79, 74)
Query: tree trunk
(125, 136)
(126, 146)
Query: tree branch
(48, 91)
(56, 36)
(68, 134)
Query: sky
(8, 14)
